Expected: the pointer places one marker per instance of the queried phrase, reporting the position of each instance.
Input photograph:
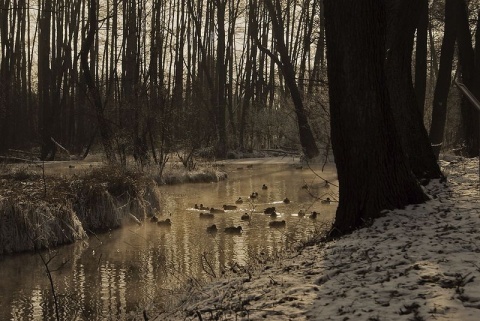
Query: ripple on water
(133, 267)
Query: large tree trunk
(470, 77)
(373, 172)
(409, 122)
(439, 111)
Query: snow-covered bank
(418, 263)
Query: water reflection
(117, 274)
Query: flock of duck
(211, 211)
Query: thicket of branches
(144, 77)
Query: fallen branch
(60, 146)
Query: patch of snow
(418, 263)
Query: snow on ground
(418, 263)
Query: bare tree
(307, 139)
(97, 104)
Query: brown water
(114, 276)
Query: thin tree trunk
(421, 56)
(103, 123)
(306, 136)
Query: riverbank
(63, 202)
(417, 263)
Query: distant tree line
(142, 77)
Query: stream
(115, 275)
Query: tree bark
(421, 56)
(372, 169)
(439, 110)
(409, 122)
(470, 77)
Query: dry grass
(40, 213)
(35, 225)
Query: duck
(277, 223)
(286, 200)
(212, 229)
(264, 186)
(269, 210)
(216, 210)
(195, 207)
(203, 208)
(245, 217)
(206, 215)
(313, 215)
(273, 214)
(301, 213)
(239, 201)
(233, 229)
(254, 195)
(326, 201)
(327, 184)
(166, 222)
(154, 219)
(229, 207)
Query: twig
(52, 285)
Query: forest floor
(417, 263)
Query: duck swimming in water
(212, 229)
(326, 201)
(206, 215)
(229, 207)
(313, 215)
(245, 217)
(286, 200)
(239, 201)
(269, 210)
(166, 222)
(216, 210)
(277, 224)
(264, 186)
(233, 230)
